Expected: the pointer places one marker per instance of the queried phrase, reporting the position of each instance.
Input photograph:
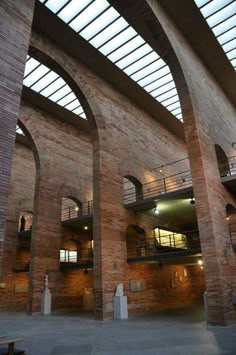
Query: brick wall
(21, 198)
(209, 119)
(166, 287)
(15, 18)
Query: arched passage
(222, 161)
(76, 82)
(70, 208)
(19, 219)
(133, 189)
(69, 69)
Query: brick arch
(222, 160)
(150, 28)
(162, 43)
(70, 71)
(30, 137)
(70, 192)
(128, 167)
(23, 205)
(230, 209)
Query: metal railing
(151, 189)
(22, 266)
(231, 166)
(173, 182)
(159, 187)
(232, 230)
(166, 244)
(80, 256)
(70, 212)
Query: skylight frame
(227, 9)
(56, 89)
(19, 130)
(104, 39)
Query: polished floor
(181, 332)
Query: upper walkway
(144, 198)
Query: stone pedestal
(46, 302)
(120, 307)
(205, 299)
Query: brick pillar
(15, 27)
(206, 108)
(45, 239)
(110, 260)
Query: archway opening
(25, 221)
(70, 208)
(222, 161)
(135, 240)
(133, 190)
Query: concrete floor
(181, 332)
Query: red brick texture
(129, 142)
(16, 18)
(167, 287)
(21, 198)
(209, 119)
(65, 160)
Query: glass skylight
(19, 130)
(106, 30)
(221, 18)
(46, 82)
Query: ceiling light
(156, 211)
(192, 201)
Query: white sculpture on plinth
(119, 290)
(120, 303)
(46, 281)
(46, 298)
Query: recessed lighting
(156, 211)
(86, 228)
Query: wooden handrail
(10, 343)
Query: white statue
(119, 290)
(46, 281)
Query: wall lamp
(192, 201)
(200, 263)
(156, 209)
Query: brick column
(207, 120)
(15, 27)
(45, 239)
(110, 260)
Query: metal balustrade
(22, 266)
(171, 183)
(150, 190)
(232, 229)
(70, 212)
(159, 187)
(232, 166)
(152, 246)
(78, 256)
